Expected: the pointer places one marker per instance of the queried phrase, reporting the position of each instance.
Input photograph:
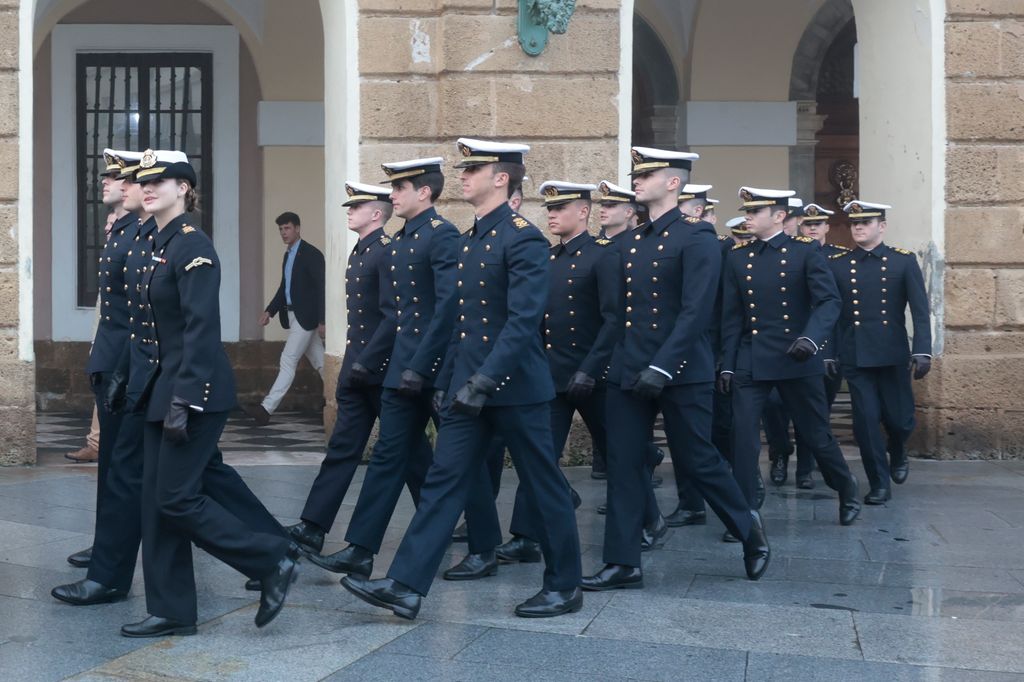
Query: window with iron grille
(136, 102)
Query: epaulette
(602, 242)
(187, 229)
(520, 222)
(903, 251)
(805, 240)
(722, 237)
(436, 222)
(840, 246)
(385, 240)
(743, 245)
(691, 219)
(840, 255)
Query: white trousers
(300, 342)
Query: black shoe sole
(315, 560)
(468, 576)
(284, 597)
(79, 564)
(399, 611)
(560, 612)
(677, 524)
(514, 560)
(875, 503)
(638, 585)
(105, 600)
(184, 631)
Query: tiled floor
(929, 587)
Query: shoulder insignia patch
(722, 237)
(602, 242)
(805, 240)
(196, 262)
(187, 229)
(692, 220)
(743, 245)
(436, 222)
(840, 246)
(520, 222)
(385, 240)
(903, 251)
(840, 255)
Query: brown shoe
(83, 456)
(260, 415)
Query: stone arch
(827, 23)
(655, 88)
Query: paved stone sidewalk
(930, 587)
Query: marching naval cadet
(710, 214)
(189, 392)
(664, 362)
(500, 384)
(424, 257)
(779, 304)
(738, 229)
(112, 330)
(370, 335)
(581, 326)
(618, 211)
(877, 283)
(111, 559)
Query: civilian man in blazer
(299, 302)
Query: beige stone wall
(17, 376)
(973, 402)
(435, 70)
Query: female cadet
(188, 393)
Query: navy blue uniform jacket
(582, 322)
(876, 287)
(371, 308)
(423, 264)
(773, 293)
(502, 290)
(112, 332)
(182, 290)
(139, 352)
(671, 267)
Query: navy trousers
(191, 496)
(460, 462)
(880, 395)
(687, 413)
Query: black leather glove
(176, 421)
(649, 384)
(437, 401)
(470, 398)
(360, 376)
(920, 364)
(113, 396)
(580, 386)
(724, 383)
(411, 384)
(801, 349)
(831, 369)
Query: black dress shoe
(461, 533)
(602, 509)
(849, 504)
(85, 592)
(549, 603)
(154, 626)
(598, 475)
(307, 535)
(253, 585)
(756, 552)
(805, 482)
(473, 567)
(684, 517)
(576, 499)
(81, 559)
(274, 587)
(729, 537)
(759, 491)
(656, 481)
(899, 469)
(519, 550)
(654, 536)
(779, 470)
(353, 560)
(385, 593)
(614, 577)
(878, 496)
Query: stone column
(801, 155)
(17, 369)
